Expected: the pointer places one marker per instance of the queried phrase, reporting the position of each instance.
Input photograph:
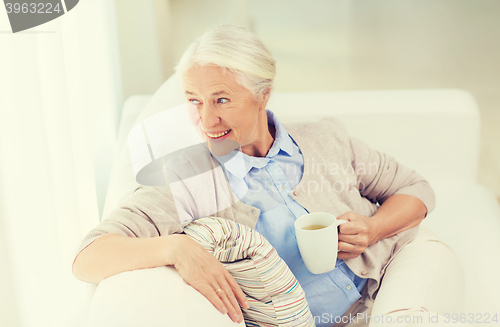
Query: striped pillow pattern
(276, 298)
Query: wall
(138, 37)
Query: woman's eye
(222, 100)
(194, 101)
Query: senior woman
(227, 76)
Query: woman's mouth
(216, 136)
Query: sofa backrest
(435, 132)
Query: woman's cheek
(194, 118)
(193, 115)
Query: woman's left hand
(355, 235)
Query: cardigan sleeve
(150, 211)
(380, 176)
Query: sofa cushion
(276, 297)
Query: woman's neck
(261, 147)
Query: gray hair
(236, 49)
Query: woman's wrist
(170, 247)
(375, 228)
(398, 213)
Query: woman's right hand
(207, 275)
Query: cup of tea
(317, 237)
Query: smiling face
(225, 110)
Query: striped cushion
(276, 298)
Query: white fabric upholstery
(425, 278)
(421, 287)
(152, 298)
(435, 132)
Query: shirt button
(283, 187)
(348, 287)
(254, 211)
(294, 192)
(364, 272)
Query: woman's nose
(209, 117)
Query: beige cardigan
(340, 174)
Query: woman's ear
(261, 98)
(264, 96)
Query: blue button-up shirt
(266, 183)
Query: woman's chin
(222, 147)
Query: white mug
(318, 247)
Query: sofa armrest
(155, 297)
(468, 220)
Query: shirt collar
(240, 164)
(282, 140)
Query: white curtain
(60, 93)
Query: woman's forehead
(212, 80)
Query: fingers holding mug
(348, 250)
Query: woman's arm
(404, 196)
(380, 176)
(111, 254)
(145, 232)
(398, 213)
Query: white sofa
(435, 132)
